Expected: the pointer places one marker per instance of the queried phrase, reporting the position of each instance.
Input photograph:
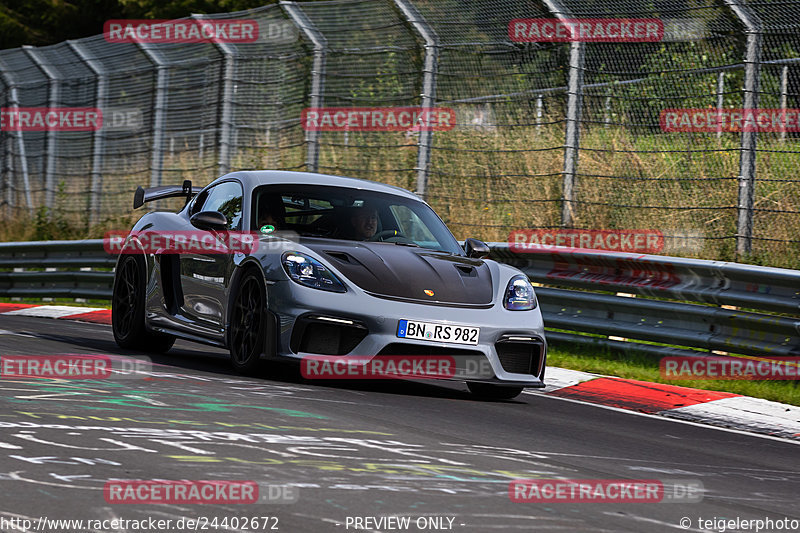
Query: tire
(247, 332)
(127, 309)
(493, 392)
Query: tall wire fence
(547, 134)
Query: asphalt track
(423, 450)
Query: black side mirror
(475, 248)
(209, 220)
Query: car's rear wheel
(248, 326)
(127, 309)
(493, 392)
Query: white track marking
(51, 311)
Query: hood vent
(404, 273)
(340, 256)
(467, 270)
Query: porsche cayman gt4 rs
(299, 265)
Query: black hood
(405, 272)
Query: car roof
(254, 178)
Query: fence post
(784, 97)
(577, 53)
(317, 74)
(53, 97)
(98, 137)
(6, 169)
(720, 100)
(538, 114)
(428, 34)
(13, 100)
(226, 120)
(159, 109)
(747, 163)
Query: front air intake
(324, 335)
(520, 355)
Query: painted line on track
(723, 410)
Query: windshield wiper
(413, 244)
(311, 234)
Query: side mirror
(210, 220)
(476, 249)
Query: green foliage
(53, 224)
(43, 22)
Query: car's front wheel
(127, 309)
(248, 325)
(493, 392)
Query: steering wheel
(381, 235)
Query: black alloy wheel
(248, 326)
(127, 309)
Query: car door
(205, 276)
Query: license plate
(430, 331)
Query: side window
(225, 198)
(411, 225)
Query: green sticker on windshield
(268, 228)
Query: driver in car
(271, 213)
(364, 221)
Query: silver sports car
(300, 265)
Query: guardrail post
(577, 53)
(226, 118)
(159, 110)
(53, 97)
(99, 136)
(13, 97)
(317, 74)
(747, 162)
(428, 34)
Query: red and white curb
(715, 408)
(66, 312)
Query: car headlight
(310, 272)
(519, 294)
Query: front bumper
(511, 347)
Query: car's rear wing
(142, 195)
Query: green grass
(644, 367)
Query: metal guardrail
(630, 298)
(56, 269)
(585, 296)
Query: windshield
(350, 214)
